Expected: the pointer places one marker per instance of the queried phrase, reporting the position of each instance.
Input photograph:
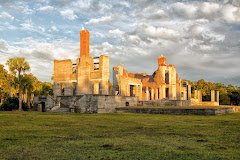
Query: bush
(206, 98)
(12, 103)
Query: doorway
(43, 107)
(131, 91)
(167, 93)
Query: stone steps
(61, 110)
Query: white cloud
(116, 32)
(42, 29)
(28, 25)
(68, 14)
(187, 11)
(27, 10)
(158, 32)
(3, 45)
(231, 13)
(46, 8)
(54, 28)
(104, 19)
(151, 12)
(5, 15)
(207, 10)
(107, 45)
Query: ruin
(89, 75)
(84, 86)
(162, 84)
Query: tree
(18, 65)
(3, 82)
(47, 88)
(11, 103)
(28, 82)
(43, 88)
(235, 97)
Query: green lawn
(33, 135)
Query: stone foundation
(165, 103)
(91, 103)
(181, 111)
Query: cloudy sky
(202, 38)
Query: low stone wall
(181, 111)
(165, 103)
(91, 103)
(103, 103)
(209, 103)
(224, 110)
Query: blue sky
(202, 38)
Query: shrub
(12, 103)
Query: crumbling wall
(45, 100)
(63, 75)
(83, 77)
(103, 103)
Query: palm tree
(18, 65)
(29, 86)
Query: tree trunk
(10, 87)
(20, 99)
(28, 100)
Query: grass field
(33, 135)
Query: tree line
(228, 95)
(17, 83)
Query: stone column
(199, 96)
(218, 97)
(121, 88)
(212, 96)
(162, 91)
(189, 92)
(195, 94)
(57, 89)
(128, 90)
(152, 94)
(140, 92)
(147, 94)
(156, 94)
(170, 95)
(96, 88)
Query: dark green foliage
(206, 98)
(224, 99)
(235, 97)
(227, 94)
(12, 103)
(46, 89)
